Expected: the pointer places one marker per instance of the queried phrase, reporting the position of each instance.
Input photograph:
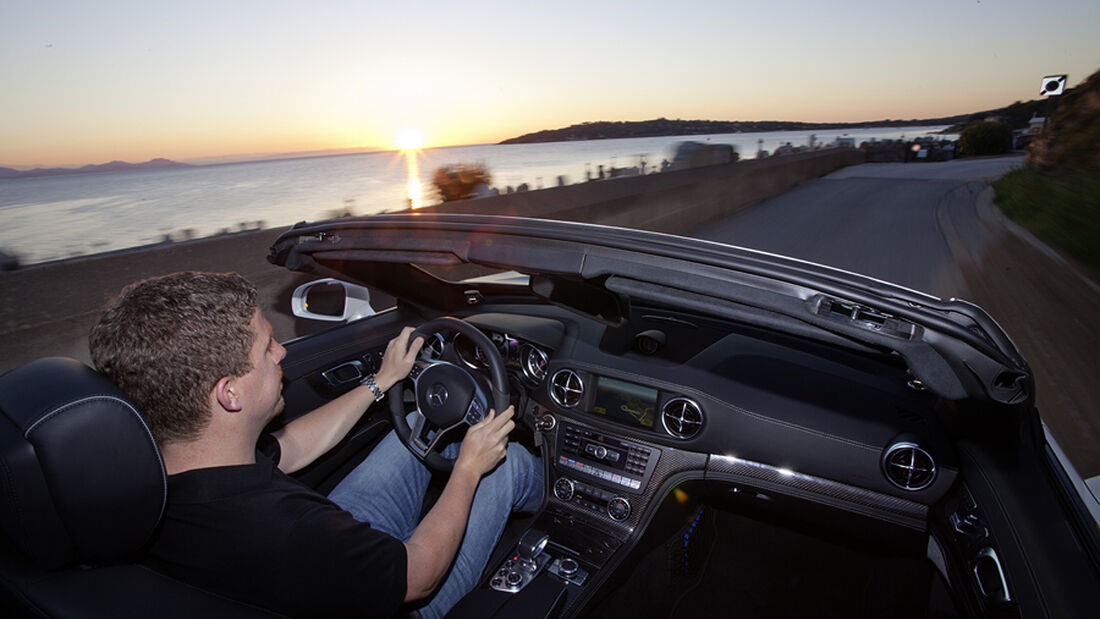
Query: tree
(985, 137)
(459, 181)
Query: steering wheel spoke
(419, 366)
(477, 410)
(424, 435)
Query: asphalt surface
(881, 220)
(933, 227)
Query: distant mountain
(1016, 114)
(662, 126)
(114, 166)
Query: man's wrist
(372, 384)
(464, 470)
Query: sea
(51, 218)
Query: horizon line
(214, 160)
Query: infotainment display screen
(626, 402)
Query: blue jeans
(387, 490)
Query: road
(933, 227)
(882, 220)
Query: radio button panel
(606, 460)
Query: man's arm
(435, 541)
(305, 438)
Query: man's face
(263, 385)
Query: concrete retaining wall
(673, 202)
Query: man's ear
(225, 392)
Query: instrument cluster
(528, 359)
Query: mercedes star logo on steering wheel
(437, 395)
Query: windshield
(474, 274)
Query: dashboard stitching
(800, 428)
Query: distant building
(697, 154)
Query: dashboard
(671, 407)
(669, 396)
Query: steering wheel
(448, 395)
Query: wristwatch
(374, 388)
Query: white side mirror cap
(331, 300)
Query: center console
(600, 482)
(596, 470)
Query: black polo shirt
(251, 533)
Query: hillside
(113, 166)
(1016, 115)
(1057, 196)
(1072, 139)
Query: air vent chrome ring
(682, 417)
(433, 347)
(534, 362)
(908, 467)
(566, 388)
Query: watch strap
(374, 388)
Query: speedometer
(481, 356)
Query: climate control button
(563, 489)
(618, 508)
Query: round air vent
(649, 342)
(534, 362)
(908, 467)
(566, 388)
(682, 417)
(433, 347)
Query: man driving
(198, 359)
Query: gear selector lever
(530, 547)
(522, 567)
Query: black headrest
(81, 479)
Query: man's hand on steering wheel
(448, 396)
(486, 443)
(398, 359)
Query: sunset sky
(89, 82)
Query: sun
(410, 139)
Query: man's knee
(525, 478)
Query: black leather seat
(83, 490)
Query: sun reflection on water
(410, 141)
(416, 194)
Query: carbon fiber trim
(851, 498)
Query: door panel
(1039, 556)
(324, 365)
